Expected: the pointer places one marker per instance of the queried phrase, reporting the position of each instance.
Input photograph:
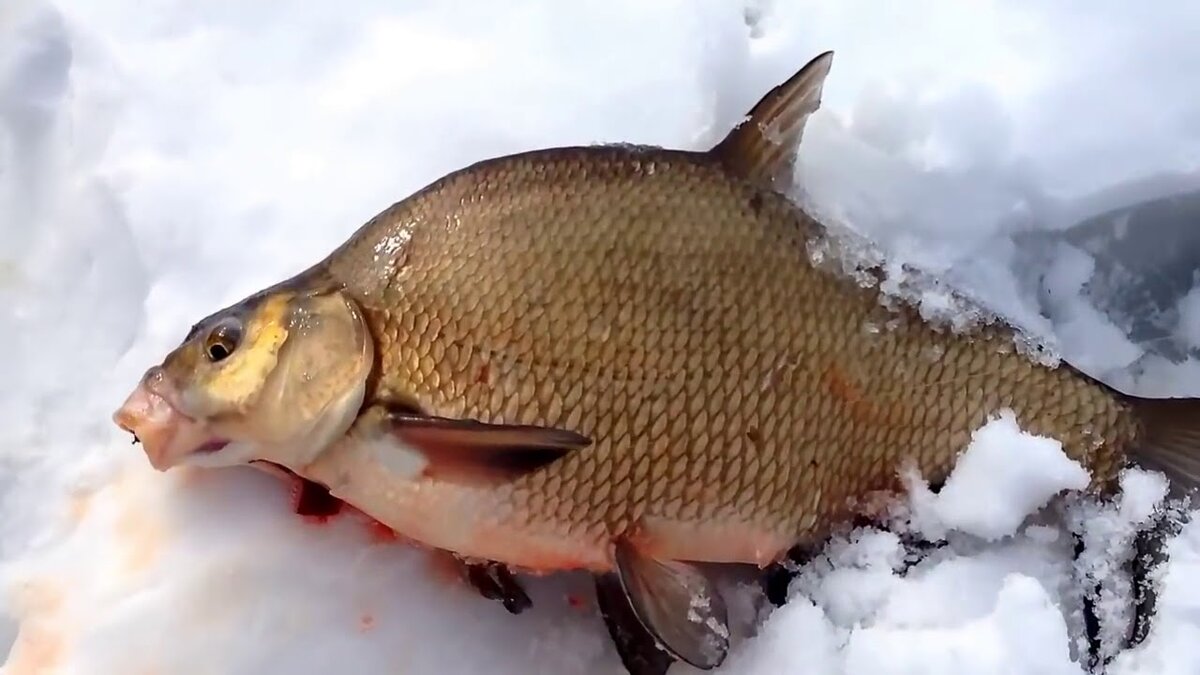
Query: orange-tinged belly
(469, 520)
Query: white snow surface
(159, 160)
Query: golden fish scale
(670, 312)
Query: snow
(158, 160)
(1003, 476)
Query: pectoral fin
(464, 450)
(677, 604)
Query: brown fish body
(619, 359)
(738, 397)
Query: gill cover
(288, 386)
(317, 381)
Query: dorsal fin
(763, 147)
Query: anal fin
(677, 604)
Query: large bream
(616, 358)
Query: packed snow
(1000, 479)
(158, 161)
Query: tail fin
(763, 148)
(1170, 439)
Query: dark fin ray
(776, 581)
(677, 604)
(762, 149)
(1170, 439)
(1149, 563)
(1149, 553)
(471, 451)
(1091, 620)
(638, 650)
(495, 582)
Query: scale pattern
(669, 311)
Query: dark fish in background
(1147, 258)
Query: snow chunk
(995, 612)
(855, 577)
(1025, 633)
(1098, 345)
(1003, 476)
(797, 639)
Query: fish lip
(210, 446)
(168, 435)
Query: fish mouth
(168, 435)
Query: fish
(624, 359)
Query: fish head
(277, 377)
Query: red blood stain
(313, 502)
(575, 601)
(380, 533)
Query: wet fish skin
(726, 383)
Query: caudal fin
(1170, 440)
(763, 147)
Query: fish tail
(1170, 438)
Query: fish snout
(164, 432)
(155, 381)
(139, 405)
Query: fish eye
(223, 339)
